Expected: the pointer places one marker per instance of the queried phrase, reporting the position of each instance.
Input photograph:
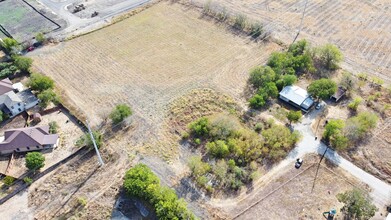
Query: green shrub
(28, 180)
(46, 97)
(200, 127)
(81, 201)
(85, 140)
(355, 103)
(142, 183)
(256, 29)
(197, 141)
(218, 149)
(35, 160)
(53, 127)
(23, 63)
(8, 180)
(120, 112)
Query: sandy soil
(360, 28)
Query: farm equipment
(94, 14)
(78, 8)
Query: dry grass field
(149, 60)
(362, 29)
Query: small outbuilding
(338, 94)
(297, 97)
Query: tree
(85, 140)
(120, 112)
(322, 88)
(259, 76)
(23, 63)
(46, 97)
(257, 101)
(8, 44)
(293, 116)
(281, 63)
(357, 127)
(329, 56)
(35, 160)
(137, 181)
(355, 103)
(53, 127)
(357, 204)
(270, 89)
(39, 82)
(299, 48)
(332, 128)
(40, 37)
(289, 80)
(2, 116)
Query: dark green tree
(39, 82)
(294, 116)
(23, 63)
(357, 204)
(329, 56)
(35, 160)
(259, 76)
(322, 88)
(46, 97)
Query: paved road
(381, 191)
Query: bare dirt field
(148, 61)
(360, 28)
(294, 194)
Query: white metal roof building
(297, 96)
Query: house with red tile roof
(28, 139)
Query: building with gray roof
(297, 97)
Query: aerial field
(362, 29)
(21, 21)
(148, 60)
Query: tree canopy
(8, 44)
(46, 97)
(329, 56)
(35, 160)
(23, 63)
(357, 204)
(39, 82)
(120, 112)
(294, 116)
(322, 88)
(142, 183)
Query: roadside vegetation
(142, 183)
(233, 153)
(340, 134)
(85, 140)
(357, 204)
(284, 68)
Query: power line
(93, 141)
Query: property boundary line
(275, 190)
(40, 175)
(55, 23)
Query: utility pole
(96, 148)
